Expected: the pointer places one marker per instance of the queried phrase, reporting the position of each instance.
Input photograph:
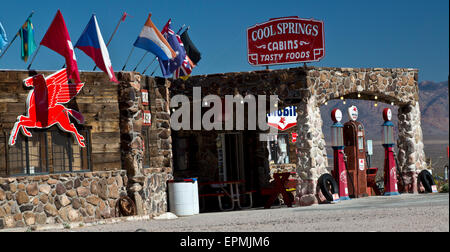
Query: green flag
(28, 45)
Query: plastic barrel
(180, 198)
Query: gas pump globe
(390, 170)
(340, 171)
(337, 130)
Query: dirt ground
(404, 213)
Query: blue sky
(394, 33)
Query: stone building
(48, 178)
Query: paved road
(407, 212)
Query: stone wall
(60, 198)
(113, 112)
(147, 185)
(308, 89)
(398, 86)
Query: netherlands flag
(151, 39)
(91, 42)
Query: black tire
(427, 180)
(325, 182)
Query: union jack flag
(186, 67)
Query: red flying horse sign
(285, 40)
(44, 105)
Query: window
(47, 151)
(279, 149)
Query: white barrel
(180, 198)
(195, 197)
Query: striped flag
(91, 42)
(151, 39)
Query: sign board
(45, 106)
(361, 164)
(283, 119)
(147, 118)
(144, 94)
(285, 40)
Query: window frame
(46, 146)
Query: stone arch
(398, 85)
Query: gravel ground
(404, 213)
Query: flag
(185, 70)
(151, 39)
(91, 42)
(191, 49)
(3, 38)
(57, 39)
(28, 45)
(169, 66)
(124, 16)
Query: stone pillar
(312, 156)
(411, 155)
(130, 106)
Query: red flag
(57, 39)
(124, 16)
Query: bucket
(183, 197)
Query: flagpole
(123, 68)
(17, 34)
(149, 65)
(156, 68)
(34, 56)
(114, 32)
(145, 54)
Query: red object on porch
(280, 185)
(372, 188)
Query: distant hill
(433, 105)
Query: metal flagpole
(114, 32)
(145, 54)
(154, 71)
(34, 56)
(149, 65)
(17, 34)
(123, 68)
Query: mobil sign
(283, 119)
(285, 40)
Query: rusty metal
(125, 206)
(355, 150)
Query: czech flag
(91, 42)
(151, 39)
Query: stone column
(312, 156)
(130, 106)
(411, 155)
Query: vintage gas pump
(354, 139)
(340, 171)
(390, 170)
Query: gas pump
(340, 171)
(390, 172)
(354, 139)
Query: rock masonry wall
(398, 86)
(60, 198)
(147, 184)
